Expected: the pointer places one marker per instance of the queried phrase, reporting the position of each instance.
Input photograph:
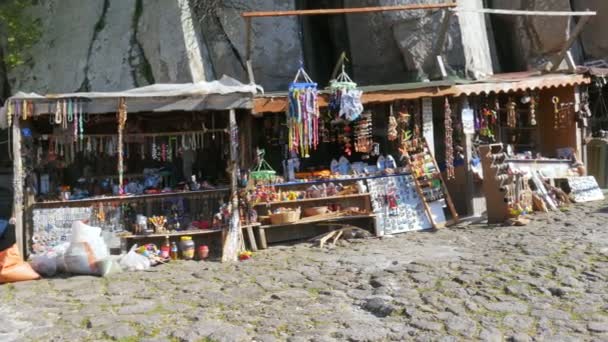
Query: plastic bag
(109, 266)
(80, 259)
(92, 235)
(45, 265)
(13, 268)
(134, 261)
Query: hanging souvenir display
(346, 140)
(392, 133)
(511, 113)
(449, 147)
(303, 115)
(363, 134)
(533, 106)
(345, 98)
(404, 115)
(561, 113)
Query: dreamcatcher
(303, 115)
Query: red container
(203, 252)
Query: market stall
(346, 155)
(524, 129)
(153, 164)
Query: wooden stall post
(122, 121)
(234, 236)
(18, 212)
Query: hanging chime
(511, 114)
(303, 115)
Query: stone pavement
(543, 282)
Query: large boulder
(390, 47)
(276, 49)
(594, 38)
(530, 40)
(58, 61)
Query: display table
(391, 205)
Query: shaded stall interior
(185, 143)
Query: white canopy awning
(226, 93)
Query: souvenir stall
(526, 133)
(150, 165)
(326, 161)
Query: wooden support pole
(347, 10)
(249, 48)
(433, 58)
(527, 13)
(559, 57)
(18, 187)
(234, 236)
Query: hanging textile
(303, 115)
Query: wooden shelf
(320, 199)
(337, 180)
(519, 128)
(311, 221)
(182, 233)
(126, 198)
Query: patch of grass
(283, 328)
(86, 323)
(314, 292)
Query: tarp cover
(224, 86)
(223, 94)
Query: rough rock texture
(55, 63)
(594, 38)
(531, 38)
(276, 51)
(465, 283)
(391, 47)
(114, 44)
(162, 42)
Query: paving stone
(598, 327)
(379, 306)
(426, 325)
(520, 338)
(491, 335)
(461, 325)
(518, 322)
(507, 307)
(120, 331)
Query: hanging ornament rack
(345, 98)
(303, 115)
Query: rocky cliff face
(109, 45)
(119, 44)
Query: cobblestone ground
(545, 281)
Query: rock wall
(594, 38)
(119, 44)
(109, 45)
(524, 42)
(391, 47)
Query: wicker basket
(288, 216)
(314, 211)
